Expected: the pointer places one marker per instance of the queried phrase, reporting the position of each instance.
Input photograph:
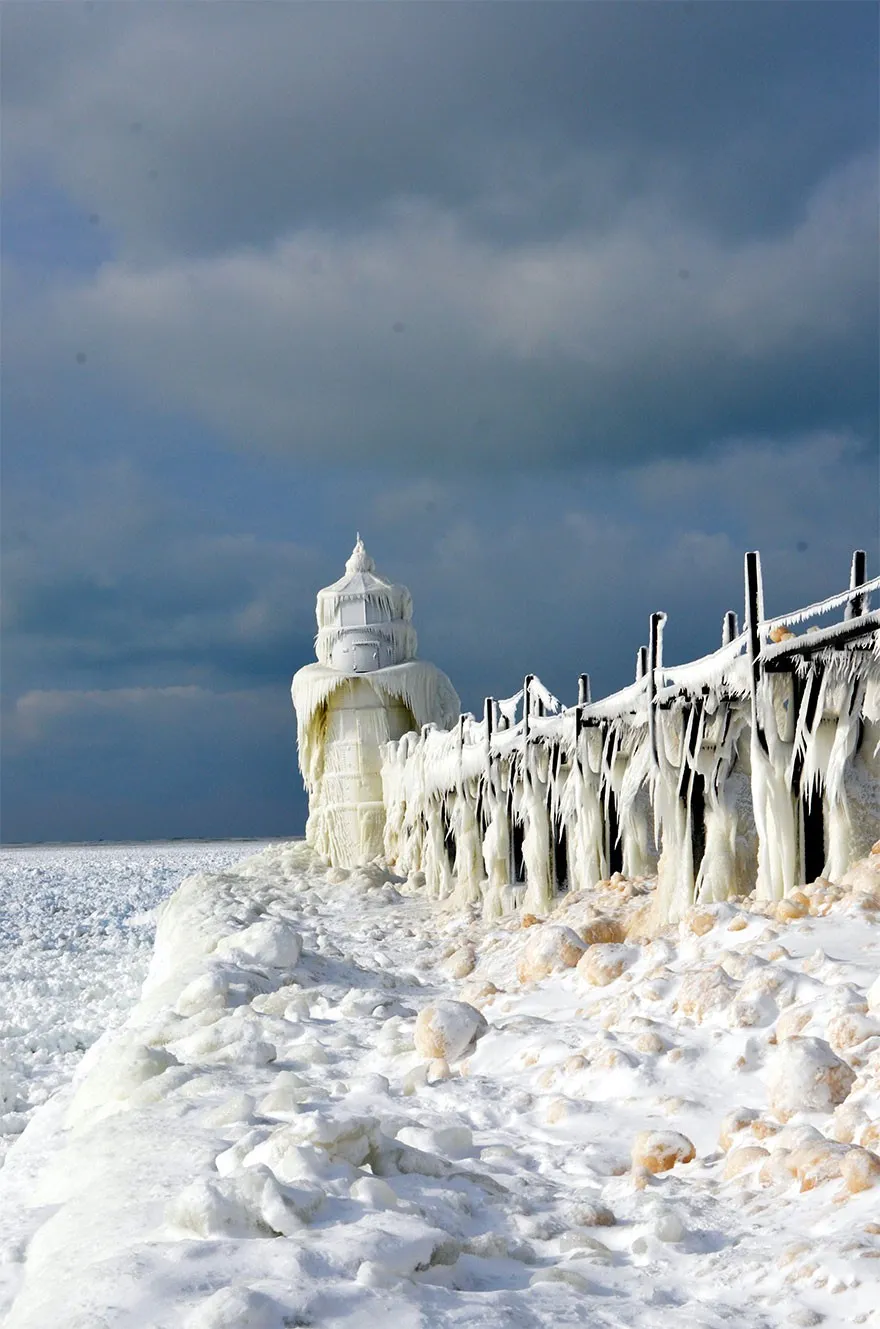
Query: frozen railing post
(857, 577)
(641, 663)
(489, 784)
(582, 701)
(655, 664)
(527, 705)
(754, 607)
(729, 628)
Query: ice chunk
(448, 1029)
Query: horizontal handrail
(727, 663)
(823, 606)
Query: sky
(564, 307)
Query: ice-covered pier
(757, 764)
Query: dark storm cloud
(202, 128)
(429, 232)
(414, 342)
(146, 763)
(560, 575)
(120, 586)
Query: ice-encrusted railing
(712, 775)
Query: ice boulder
(374, 1193)
(455, 1141)
(658, 1151)
(703, 991)
(860, 1170)
(270, 943)
(208, 992)
(814, 1162)
(461, 962)
(448, 1029)
(744, 1159)
(850, 1028)
(340, 1135)
(548, 949)
(601, 929)
(863, 878)
(249, 1205)
(804, 1075)
(605, 961)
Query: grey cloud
(150, 762)
(198, 128)
(117, 585)
(416, 343)
(559, 579)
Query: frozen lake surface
(76, 932)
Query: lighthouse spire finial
(359, 560)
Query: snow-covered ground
(682, 1131)
(76, 934)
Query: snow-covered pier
(759, 763)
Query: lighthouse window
(351, 614)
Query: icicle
(538, 898)
(468, 848)
(727, 864)
(840, 847)
(776, 824)
(634, 810)
(675, 867)
(821, 606)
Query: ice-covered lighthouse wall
(366, 689)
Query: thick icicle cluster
(758, 763)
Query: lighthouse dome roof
(364, 620)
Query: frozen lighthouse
(366, 689)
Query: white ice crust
(262, 1143)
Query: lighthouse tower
(366, 689)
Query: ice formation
(759, 763)
(308, 1119)
(366, 689)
